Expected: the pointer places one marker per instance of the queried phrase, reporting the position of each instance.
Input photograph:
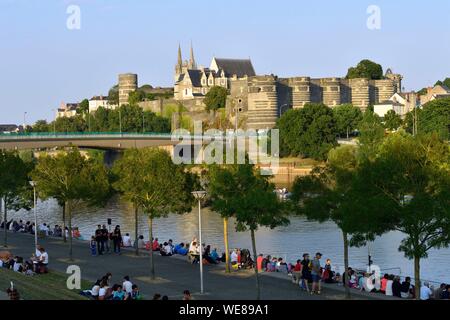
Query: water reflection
(288, 242)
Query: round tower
(262, 102)
(384, 90)
(128, 82)
(360, 93)
(331, 89)
(301, 91)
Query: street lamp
(200, 195)
(33, 184)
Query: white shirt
(126, 241)
(168, 249)
(425, 293)
(102, 292)
(234, 256)
(44, 257)
(389, 288)
(127, 286)
(16, 266)
(95, 290)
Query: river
(288, 242)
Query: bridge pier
(110, 156)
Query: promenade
(173, 274)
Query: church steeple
(192, 64)
(180, 58)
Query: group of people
(36, 264)
(101, 240)
(43, 229)
(104, 290)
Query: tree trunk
(417, 277)
(152, 263)
(347, 132)
(69, 214)
(347, 289)
(64, 222)
(136, 222)
(225, 240)
(255, 257)
(5, 238)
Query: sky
(43, 62)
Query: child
(93, 246)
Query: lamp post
(200, 195)
(33, 184)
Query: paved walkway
(174, 274)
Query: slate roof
(195, 76)
(238, 67)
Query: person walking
(316, 273)
(117, 239)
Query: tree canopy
(215, 98)
(392, 121)
(366, 69)
(308, 132)
(347, 118)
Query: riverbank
(173, 274)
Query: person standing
(306, 271)
(425, 292)
(99, 240)
(117, 239)
(316, 273)
(105, 238)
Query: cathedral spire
(192, 64)
(180, 58)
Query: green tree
(151, 181)
(407, 189)
(308, 132)
(446, 82)
(136, 96)
(215, 98)
(71, 178)
(41, 126)
(253, 201)
(13, 185)
(83, 108)
(434, 116)
(347, 118)
(371, 134)
(70, 124)
(392, 121)
(113, 95)
(366, 69)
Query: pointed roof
(180, 59)
(238, 67)
(192, 59)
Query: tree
(371, 134)
(151, 181)
(113, 95)
(323, 195)
(347, 118)
(446, 83)
(13, 185)
(215, 98)
(136, 96)
(83, 108)
(71, 178)
(250, 198)
(307, 132)
(366, 69)
(434, 117)
(41, 126)
(392, 121)
(407, 189)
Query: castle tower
(384, 90)
(128, 82)
(360, 90)
(331, 90)
(396, 78)
(262, 102)
(301, 91)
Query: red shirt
(298, 267)
(259, 261)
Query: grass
(50, 286)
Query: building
(262, 98)
(400, 103)
(99, 101)
(433, 93)
(67, 110)
(10, 128)
(128, 82)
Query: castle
(261, 99)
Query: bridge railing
(69, 135)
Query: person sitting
(42, 261)
(135, 294)
(141, 242)
(118, 293)
(234, 259)
(57, 231)
(207, 255)
(126, 240)
(155, 245)
(76, 234)
(405, 288)
(178, 247)
(18, 264)
(194, 253)
(165, 250)
(95, 290)
(215, 256)
(104, 293)
(281, 266)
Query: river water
(288, 242)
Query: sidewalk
(173, 274)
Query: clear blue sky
(43, 63)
